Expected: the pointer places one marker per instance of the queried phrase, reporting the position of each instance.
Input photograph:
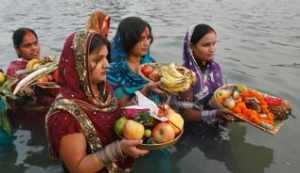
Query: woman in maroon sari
(80, 122)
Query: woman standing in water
(198, 55)
(26, 44)
(34, 101)
(130, 49)
(80, 124)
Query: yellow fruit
(2, 78)
(35, 66)
(163, 132)
(31, 63)
(133, 130)
(176, 121)
(43, 79)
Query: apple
(119, 126)
(155, 75)
(176, 121)
(147, 70)
(163, 132)
(222, 94)
(133, 130)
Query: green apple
(119, 125)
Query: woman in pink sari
(27, 46)
(33, 102)
(80, 122)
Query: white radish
(33, 76)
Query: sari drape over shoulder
(14, 66)
(208, 80)
(121, 77)
(76, 109)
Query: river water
(258, 44)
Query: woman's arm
(72, 151)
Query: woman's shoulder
(215, 64)
(63, 120)
(118, 68)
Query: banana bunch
(176, 79)
(33, 64)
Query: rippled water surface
(258, 44)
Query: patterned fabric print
(80, 42)
(122, 77)
(209, 79)
(81, 45)
(88, 128)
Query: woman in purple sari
(198, 55)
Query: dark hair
(130, 30)
(19, 34)
(96, 44)
(200, 31)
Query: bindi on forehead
(146, 32)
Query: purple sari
(208, 80)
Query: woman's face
(98, 65)
(29, 48)
(105, 26)
(142, 47)
(205, 48)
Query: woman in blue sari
(130, 49)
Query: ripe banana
(30, 65)
(175, 79)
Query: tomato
(147, 70)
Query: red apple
(163, 132)
(147, 69)
(155, 75)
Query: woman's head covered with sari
(209, 79)
(99, 22)
(82, 66)
(127, 36)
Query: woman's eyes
(145, 38)
(209, 44)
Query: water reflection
(235, 153)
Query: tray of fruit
(259, 109)
(157, 132)
(43, 75)
(173, 78)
